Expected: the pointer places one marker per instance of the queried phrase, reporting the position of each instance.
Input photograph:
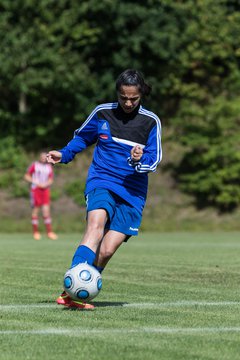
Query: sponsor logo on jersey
(103, 136)
(133, 229)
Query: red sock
(48, 224)
(35, 223)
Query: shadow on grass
(108, 303)
(95, 303)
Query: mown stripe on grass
(110, 331)
(182, 303)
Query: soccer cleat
(80, 305)
(37, 235)
(51, 235)
(63, 299)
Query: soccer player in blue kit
(128, 147)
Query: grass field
(165, 296)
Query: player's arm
(146, 160)
(85, 136)
(28, 176)
(54, 157)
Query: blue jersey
(115, 133)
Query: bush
(76, 191)
(13, 163)
(210, 168)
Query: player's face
(129, 97)
(43, 157)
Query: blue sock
(99, 268)
(83, 254)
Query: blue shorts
(122, 217)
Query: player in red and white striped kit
(40, 176)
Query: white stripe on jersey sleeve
(141, 168)
(99, 107)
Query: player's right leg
(100, 205)
(86, 252)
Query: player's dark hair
(131, 77)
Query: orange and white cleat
(37, 235)
(65, 300)
(51, 235)
(74, 304)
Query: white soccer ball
(83, 282)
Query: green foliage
(13, 162)
(55, 194)
(210, 168)
(11, 154)
(42, 71)
(207, 120)
(75, 190)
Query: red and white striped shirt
(40, 173)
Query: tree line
(59, 59)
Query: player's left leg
(109, 245)
(35, 223)
(124, 223)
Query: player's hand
(42, 185)
(54, 157)
(136, 153)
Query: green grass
(165, 296)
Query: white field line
(124, 331)
(183, 303)
(157, 330)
